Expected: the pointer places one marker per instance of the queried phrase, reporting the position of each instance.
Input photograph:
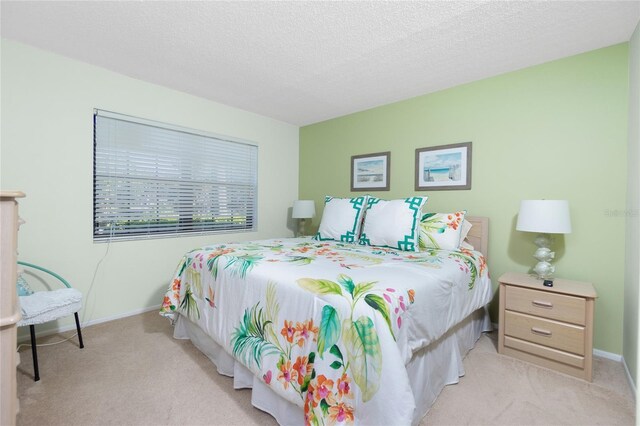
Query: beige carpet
(132, 372)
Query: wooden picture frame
(444, 167)
(371, 172)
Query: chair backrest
(45, 270)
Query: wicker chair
(45, 306)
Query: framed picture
(370, 172)
(443, 167)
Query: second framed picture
(370, 172)
(443, 167)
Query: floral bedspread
(328, 326)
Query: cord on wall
(86, 309)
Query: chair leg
(34, 351)
(79, 331)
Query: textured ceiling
(305, 62)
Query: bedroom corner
(47, 150)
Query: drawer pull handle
(540, 331)
(541, 304)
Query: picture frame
(444, 167)
(371, 172)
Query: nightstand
(548, 326)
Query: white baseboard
(632, 385)
(607, 355)
(72, 326)
(114, 317)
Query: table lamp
(303, 210)
(545, 217)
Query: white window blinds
(155, 180)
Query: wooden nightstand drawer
(554, 334)
(544, 352)
(548, 305)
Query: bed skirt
(430, 369)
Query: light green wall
(47, 151)
(554, 131)
(632, 270)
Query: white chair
(45, 306)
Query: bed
(330, 332)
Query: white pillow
(466, 227)
(442, 230)
(342, 219)
(393, 223)
(464, 243)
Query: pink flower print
(166, 303)
(324, 390)
(303, 368)
(399, 322)
(386, 297)
(341, 413)
(267, 377)
(344, 387)
(288, 331)
(287, 374)
(304, 331)
(198, 260)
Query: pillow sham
(466, 227)
(342, 219)
(442, 230)
(464, 243)
(393, 223)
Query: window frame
(250, 214)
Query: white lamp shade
(544, 216)
(303, 209)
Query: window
(154, 180)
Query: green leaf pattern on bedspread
(325, 356)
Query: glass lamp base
(544, 255)
(301, 227)
(544, 270)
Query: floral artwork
(318, 323)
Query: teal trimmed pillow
(442, 230)
(342, 219)
(393, 223)
(23, 287)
